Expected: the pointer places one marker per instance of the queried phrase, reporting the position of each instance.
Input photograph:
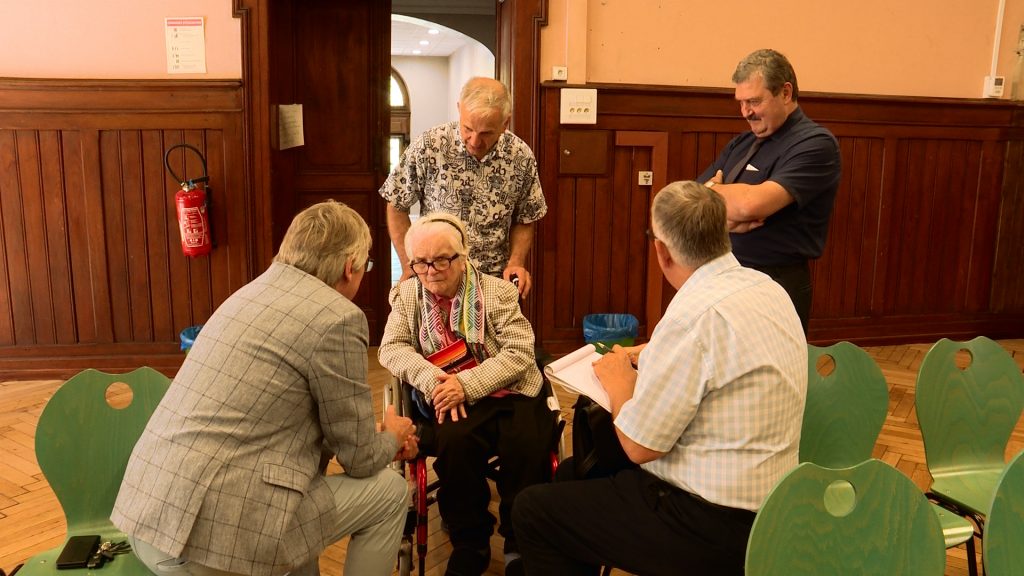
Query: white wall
(469, 61)
(122, 39)
(426, 78)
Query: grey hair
(690, 219)
(487, 96)
(323, 238)
(770, 65)
(442, 224)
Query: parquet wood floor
(31, 519)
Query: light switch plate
(578, 106)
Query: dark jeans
(796, 281)
(633, 521)
(518, 429)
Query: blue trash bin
(610, 329)
(188, 337)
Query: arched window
(400, 113)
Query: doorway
(334, 59)
(429, 64)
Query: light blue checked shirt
(721, 387)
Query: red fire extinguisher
(192, 204)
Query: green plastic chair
(1004, 531)
(845, 410)
(83, 445)
(867, 519)
(843, 416)
(966, 418)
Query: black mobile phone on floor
(77, 551)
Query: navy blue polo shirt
(803, 158)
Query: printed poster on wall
(186, 45)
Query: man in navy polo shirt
(779, 180)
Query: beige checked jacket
(225, 472)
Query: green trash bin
(610, 329)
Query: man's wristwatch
(710, 183)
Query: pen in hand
(604, 349)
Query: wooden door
(599, 191)
(333, 58)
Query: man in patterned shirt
(476, 170)
(712, 415)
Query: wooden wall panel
(926, 235)
(93, 273)
(1008, 268)
(596, 254)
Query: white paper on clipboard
(575, 372)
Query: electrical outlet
(578, 106)
(559, 73)
(993, 86)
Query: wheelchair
(400, 395)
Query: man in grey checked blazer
(225, 479)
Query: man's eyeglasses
(369, 265)
(440, 264)
(650, 234)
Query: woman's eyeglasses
(369, 265)
(440, 264)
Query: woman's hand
(449, 398)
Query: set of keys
(107, 551)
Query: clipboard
(575, 372)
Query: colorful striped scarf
(466, 319)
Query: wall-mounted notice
(289, 126)
(186, 45)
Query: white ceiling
(407, 34)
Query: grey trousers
(372, 511)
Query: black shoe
(467, 560)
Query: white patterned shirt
(721, 387)
(489, 195)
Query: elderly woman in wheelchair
(458, 337)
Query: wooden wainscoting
(92, 273)
(927, 237)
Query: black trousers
(516, 428)
(633, 521)
(796, 281)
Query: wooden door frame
(517, 63)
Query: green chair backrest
(845, 410)
(966, 416)
(867, 519)
(83, 444)
(1004, 529)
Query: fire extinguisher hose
(190, 183)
